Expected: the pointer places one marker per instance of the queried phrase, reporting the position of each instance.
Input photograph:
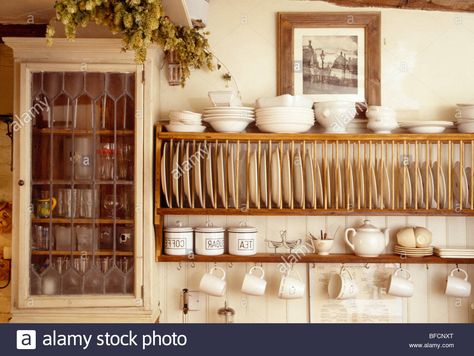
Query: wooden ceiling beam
(32, 30)
(435, 5)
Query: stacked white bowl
(284, 114)
(382, 119)
(185, 121)
(229, 119)
(335, 116)
(465, 118)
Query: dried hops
(140, 23)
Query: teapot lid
(367, 226)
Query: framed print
(330, 56)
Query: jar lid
(209, 229)
(243, 229)
(178, 228)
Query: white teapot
(367, 240)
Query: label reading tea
(175, 243)
(245, 245)
(214, 244)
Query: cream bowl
(229, 125)
(334, 116)
(284, 127)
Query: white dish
(276, 177)
(185, 116)
(227, 109)
(263, 179)
(327, 190)
(164, 174)
(334, 116)
(285, 110)
(318, 184)
(224, 98)
(231, 176)
(360, 184)
(185, 128)
(298, 183)
(287, 127)
(417, 185)
(197, 176)
(310, 194)
(458, 177)
(221, 175)
(285, 100)
(349, 188)
(426, 127)
(229, 116)
(186, 175)
(428, 181)
(235, 125)
(442, 185)
(253, 179)
(175, 174)
(210, 177)
(338, 187)
(405, 180)
(465, 126)
(286, 178)
(385, 193)
(373, 185)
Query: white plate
(210, 177)
(186, 174)
(175, 174)
(426, 127)
(253, 179)
(349, 189)
(211, 119)
(221, 175)
(309, 180)
(197, 176)
(405, 173)
(318, 184)
(415, 174)
(327, 191)
(263, 179)
(359, 181)
(386, 199)
(185, 128)
(164, 174)
(442, 185)
(284, 109)
(298, 183)
(372, 184)
(276, 177)
(457, 182)
(286, 180)
(338, 188)
(231, 176)
(228, 108)
(284, 127)
(428, 181)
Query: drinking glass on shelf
(111, 205)
(41, 238)
(124, 159)
(67, 201)
(87, 201)
(85, 238)
(106, 153)
(64, 239)
(106, 238)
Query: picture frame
(329, 56)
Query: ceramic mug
(213, 285)
(458, 287)
(291, 287)
(323, 246)
(342, 285)
(252, 284)
(400, 286)
(406, 237)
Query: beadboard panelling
(429, 304)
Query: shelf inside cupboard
(82, 132)
(313, 258)
(82, 253)
(80, 221)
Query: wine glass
(111, 204)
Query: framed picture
(330, 56)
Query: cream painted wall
(6, 106)
(426, 70)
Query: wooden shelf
(363, 137)
(310, 211)
(78, 132)
(313, 258)
(79, 182)
(80, 221)
(81, 253)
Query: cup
(400, 286)
(213, 285)
(291, 287)
(406, 237)
(87, 200)
(458, 287)
(40, 238)
(342, 285)
(252, 284)
(67, 200)
(423, 236)
(323, 247)
(85, 238)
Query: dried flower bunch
(140, 23)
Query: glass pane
(82, 231)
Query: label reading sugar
(214, 244)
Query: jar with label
(209, 240)
(178, 240)
(243, 240)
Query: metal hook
(193, 265)
(427, 267)
(179, 267)
(457, 267)
(367, 265)
(400, 265)
(215, 264)
(313, 265)
(230, 265)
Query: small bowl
(224, 98)
(226, 125)
(184, 116)
(284, 127)
(323, 246)
(334, 116)
(466, 126)
(184, 128)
